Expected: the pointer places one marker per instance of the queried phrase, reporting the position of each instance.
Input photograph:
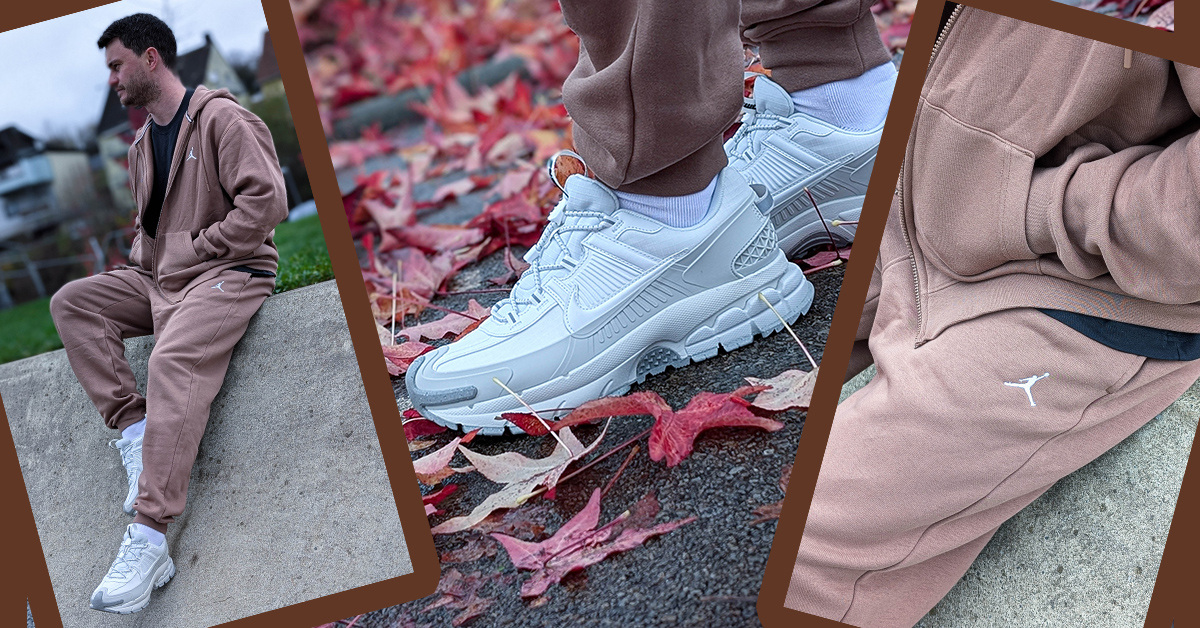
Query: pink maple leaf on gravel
(453, 323)
(579, 544)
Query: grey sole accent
(735, 326)
(804, 230)
(421, 398)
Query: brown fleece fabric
(224, 197)
(1039, 173)
(927, 460)
(658, 83)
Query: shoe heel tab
(763, 200)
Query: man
(667, 255)
(1036, 300)
(209, 193)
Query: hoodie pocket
(178, 263)
(969, 194)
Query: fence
(94, 261)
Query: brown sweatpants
(194, 338)
(658, 83)
(928, 459)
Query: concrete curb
(289, 498)
(1087, 551)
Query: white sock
(134, 430)
(857, 104)
(677, 211)
(156, 537)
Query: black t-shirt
(1160, 344)
(162, 142)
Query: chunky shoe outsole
(731, 327)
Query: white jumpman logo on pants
(1026, 384)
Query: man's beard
(140, 92)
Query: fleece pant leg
(93, 316)
(194, 340)
(928, 459)
(657, 83)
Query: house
(270, 83)
(39, 185)
(118, 125)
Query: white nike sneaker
(131, 459)
(787, 151)
(611, 297)
(140, 567)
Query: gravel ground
(707, 572)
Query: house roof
(15, 144)
(268, 65)
(190, 67)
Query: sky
(53, 77)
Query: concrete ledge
(1087, 552)
(289, 498)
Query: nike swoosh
(787, 196)
(584, 322)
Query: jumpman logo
(191, 156)
(1026, 384)
(218, 287)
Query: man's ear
(153, 59)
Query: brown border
(1174, 592)
(30, 574)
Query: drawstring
(1128, 58)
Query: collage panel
(1032, 308)
(193, 429)
(577, 335)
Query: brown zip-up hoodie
(224, 196)
(1033, 182)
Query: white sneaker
(787, 151)
(611, 297)
(131, 458)
(140, 567)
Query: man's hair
(140, 31)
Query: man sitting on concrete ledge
(209, 192)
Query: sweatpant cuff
(687, 176)
(127, 419)
(148, 522)
(812, 56)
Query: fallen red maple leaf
(579, 544)
(788, 390)
(416, 427)
(461, 593)
(674, 432)
(673, 435)
(435, 467)
(453, 323)
(401, 356)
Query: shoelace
(752, 121)
(128, 557)
(131, 456)
(560, 225)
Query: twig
(836, 262)
(838, 223)
(789, 328)
(543, 489)
(535, 414)
(812, 200)
(394, 303)
(620, 469)
(353, 621)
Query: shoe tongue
(770, 96)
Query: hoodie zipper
(912, 253)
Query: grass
(303, 258)
(27, 329)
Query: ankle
(676, 211)
(856, 104)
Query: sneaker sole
(730, 328)
(162, 576)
